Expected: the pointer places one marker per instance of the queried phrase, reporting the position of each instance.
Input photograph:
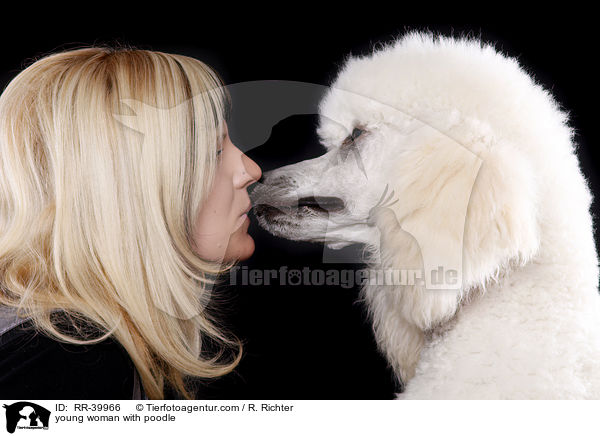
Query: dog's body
(481, 162)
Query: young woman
(122, 198)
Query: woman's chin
(241, 246)
(248, 250)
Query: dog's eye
(356, 133)
(353, 136)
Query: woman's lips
(241, 220)
(243, 217)
(247, 209)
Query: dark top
(34, 366)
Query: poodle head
(424, 164)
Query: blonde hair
(96, 218)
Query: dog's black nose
(265, 210)
(259, 210)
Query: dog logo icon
(26, 415)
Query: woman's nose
(250, 172)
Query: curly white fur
(525, 322)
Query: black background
(307, 341)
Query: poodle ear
(445, 175)
(501, 229)
(471, 216)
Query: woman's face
(221, 228)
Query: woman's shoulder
(36, 366)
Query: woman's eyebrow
(224, 134)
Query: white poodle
(455, 168)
